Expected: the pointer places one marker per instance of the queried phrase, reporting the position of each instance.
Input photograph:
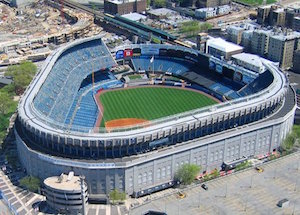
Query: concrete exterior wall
(154, 169)
(65, 200)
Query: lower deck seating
(83, 117)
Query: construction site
(30, 33)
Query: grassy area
(255, 2)
(31, 183)
(150, 102)
(133, 77)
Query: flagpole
(93, 78)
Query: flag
(152, 59)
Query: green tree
(187, 173)
(22, 75)
(160, 3)
(6, 103)
(115, 195)
(296, 131)
(242, 166)
(288, 142)
(215, 173)
(191, 28)
(31, 183)
(204, 27)
(148, 3)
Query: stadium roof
(250, 59)
(223, 45)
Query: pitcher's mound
(122, 123)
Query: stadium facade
(55, 136)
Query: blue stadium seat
(63, 86)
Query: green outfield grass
(150, 102)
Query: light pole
(245, 209)
(295, 189)
(251, 183)
(275, 171)
(294, 208)
(178, 207)
(199, 199)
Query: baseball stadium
(128, 119)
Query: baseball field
(147, 103)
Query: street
(247, 192)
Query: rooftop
(207, 9)
(134, 16)
(286, 36)
(249, 58)
(122, 1)
(161, 11)
(223, 45)
(63, 183)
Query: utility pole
(274, 177)
(82, 193)
(199, 199)
(251, 184)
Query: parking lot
(246, 192)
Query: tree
(215, 173)
(191, 28)
(187, 173)
(242, 166)
(160, 3)
(31, 183)
(5, 103)
(288, 142)
(22, 75)
(116, 195)
(148, 3)
(296, 131)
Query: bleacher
(57, 94)
(212, 81)
(260, 83)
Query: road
(247, 192)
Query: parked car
(259, 169)
(204, 186)
(181, 195)
(283, 203)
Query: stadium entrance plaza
(247, 192)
